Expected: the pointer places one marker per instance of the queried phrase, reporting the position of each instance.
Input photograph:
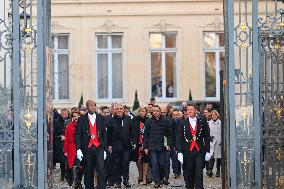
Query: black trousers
(75, 174)
(94, 160)
(63, 168)
(193, 170)
(218, 165)
(119, 166)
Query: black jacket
(83, 136)
(157, 134)
(58, 131)
(121, 137)
(136, 125)
(174, 125)
(184, 137)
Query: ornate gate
(255, 93)
(25, 95)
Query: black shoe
(117, 185)
(110, 183)
(62, 178)
(70, 182)
(140, 180)
(166, 182)
(157, 185)
(217, 174)
(126, 184)
(210, 174)
(78, 185)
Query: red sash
(140, 150)
(193, 142)
(140, 135)
(94, 140)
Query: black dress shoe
(217, 174)
(61, 178)
(117, 185)
(110, 183)
(157, 185)
(210, 174)
(70, 182)
(78, 185)
(126, 184)
(166, 182)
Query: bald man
(121, 141)
(91, 140)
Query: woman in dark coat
(58, 140)
(142, 160)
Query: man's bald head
(119, 110)
(164, 110)
(91, 106)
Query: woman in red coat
(70, 150)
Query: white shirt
(193, 122)
(92, 118)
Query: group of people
(98, 144)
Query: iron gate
(25, 95)
(255, 93)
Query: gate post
(41, 90)
(16, 92)
(256, 95)
(231, 90)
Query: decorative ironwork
(21, 103)
(255, 55)
(6, 112)
(243, 35)
(271, 33)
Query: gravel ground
(209, 183)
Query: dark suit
(121, 135)
(193, 160)
(93, 156)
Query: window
(60, 60)
(163, 65)
(213, 53)
(109, 56)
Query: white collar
(92, 115)
(92, 118)
(192, 119)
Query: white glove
(180, 158)
(105, 155)
(79, 155)
(207, 156)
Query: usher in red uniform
(69, 143)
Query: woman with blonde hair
(142, 159)
(215, 144)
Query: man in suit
(122, 138)
(91, 140)
(193, 146)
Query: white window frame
(56, 53)
(163, 51)
(109, 51)
(217, 50)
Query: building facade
(107, 49)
